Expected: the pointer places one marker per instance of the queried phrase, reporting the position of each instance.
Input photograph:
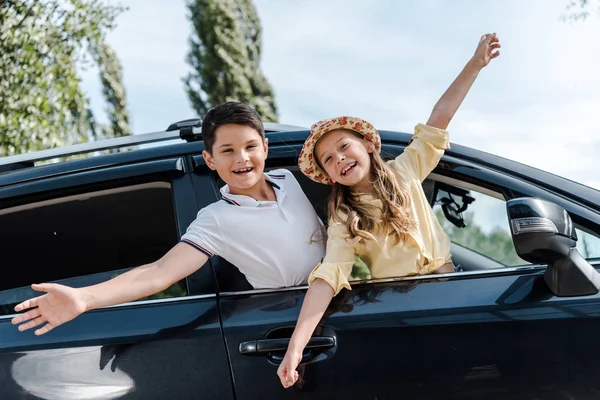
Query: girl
(377, 210)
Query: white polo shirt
(268, 241)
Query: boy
(257, 210)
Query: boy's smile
(238, 156)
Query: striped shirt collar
(276, 180)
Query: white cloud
(151, 41)
(388, 62)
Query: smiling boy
(263, 225)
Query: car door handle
(266, 346)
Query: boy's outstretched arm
(446, 107)
(62, 303)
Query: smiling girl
(377, 209)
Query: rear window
(85, 238)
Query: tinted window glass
(588, 245)
(86, 238)
(477, 222)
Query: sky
(389, 61)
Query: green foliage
(496, 244)
(580, 10)
(42, 104)
(178, 289)
(114, 92)
(360, 270)
(225, 55)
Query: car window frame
(486, 180)
(185, 208)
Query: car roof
(92, 155)
(35, 166)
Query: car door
(490, 330)
(83, 228)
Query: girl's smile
(345, 158)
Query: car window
(588, 244)
(85, 238)
(476, 221)
(480, 233)
(482, 226)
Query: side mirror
(543, 233)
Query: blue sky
(388, 62)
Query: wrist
(474, 64)
(295, 346)
(87, 298)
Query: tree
(225, 56)
(497, 244)
(42, 104)
(114, 93)
(580, 9)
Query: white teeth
(243, 170)
(348, 168)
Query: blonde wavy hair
(363, 220)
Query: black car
(505, 325)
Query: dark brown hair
(232, 112)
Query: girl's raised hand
(59, 305)
(487, 50)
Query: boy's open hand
(487, 50)
(59, 305)
(287, 369)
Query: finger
(32, 324)
(44, 329)
(44, 287)
(289, 383)
(27, 304)
(490, 38)
(27, 316)
(281, 372)
(292, 377)
(494, 55)
(495, 46)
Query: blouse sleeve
(423, 152)
(339, 259)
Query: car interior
(74, 237)
(454, 202)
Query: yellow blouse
(426, 249)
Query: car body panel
(482, 333)
(136, 351)
(497, 337)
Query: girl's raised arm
(448, 104)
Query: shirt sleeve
(430, 267)
(423, 152)
(203, 234)
(339, 259)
